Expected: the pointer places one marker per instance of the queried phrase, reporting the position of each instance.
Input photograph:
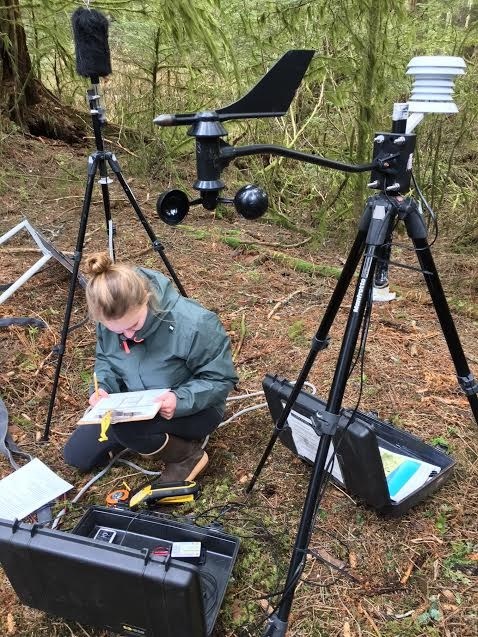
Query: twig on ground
(135, 255)
(241, 339)
(83, 630)
(42, 364)
(278, 244)
(112, 141)
(369, 619)
(283, 302)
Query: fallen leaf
(448, 594)
(237, 610)
(449, 607)
(266, 607)
(325, 556)
(347, 632)
(11, 626)
(406, 576)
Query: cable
(327, 473)
(210, 579)
(427, 205)
(259, 530)
(86, 487)
(241, 412)
(311, 386)
(407, 247)
(284, 592)
(118, 458)
(361, 357)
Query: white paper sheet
(135, 405)
(405, 474)
(306, 442)
(28, 489)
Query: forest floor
(413, 575)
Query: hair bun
(98, 263)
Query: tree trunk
(23, 98)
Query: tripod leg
(105, 193)
(277, 623)
(92, 167)
(320, 340)
(157, 245)
(277, 626)
(383, 214)
(418, 234)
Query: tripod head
(271, 97)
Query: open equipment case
(364, 444)
(116, 570)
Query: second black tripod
(381, 213)
(99, 162)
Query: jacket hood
(166, 297)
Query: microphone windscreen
(90, 30)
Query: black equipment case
(124, 584)
(358, 467)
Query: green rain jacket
(184, 347)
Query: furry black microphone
(90, 30)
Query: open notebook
(124, 407)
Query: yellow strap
(104, 425)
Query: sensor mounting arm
(228, 153)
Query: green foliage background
(178, 56)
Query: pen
(95, 379)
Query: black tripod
(375, 229)
(99, 161)
(391, 176)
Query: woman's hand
(168, 404)
(95, 399)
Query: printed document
(405, 474)
(28, 489)
(124, 407)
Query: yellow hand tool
(164, 493)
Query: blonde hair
(113, 288)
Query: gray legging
(84, 451)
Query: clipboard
(125, 407)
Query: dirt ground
(414, 575)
